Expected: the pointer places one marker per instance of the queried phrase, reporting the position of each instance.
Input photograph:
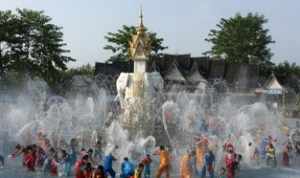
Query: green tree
(285, 70)
(241, 39)
(9, 39)
(30, 43)
(86, 70)
(118, 43)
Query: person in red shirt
(88, 170)
(147, 163)
(53, 168)
(29, 159)
(80, 166)
(230, 161)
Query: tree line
(31, 44)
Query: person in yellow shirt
(271, 155)
(164, 163)
(185, 166)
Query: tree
(86, 70)
(30, 43)
(9, 25)
(285, 70)
(118, 43)
(241, 39)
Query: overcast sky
(182, 23)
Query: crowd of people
(199, 160)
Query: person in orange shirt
(201, 149)
(185, 166)
(164, 163)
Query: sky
(184, 24)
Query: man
(164, 162)
(209, 163)
(108, 165)
(185, 166)
(201, 149)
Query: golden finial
(140, 45)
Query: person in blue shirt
(209, 163)
(108, 165)
(127, 169)
(262, 148)
(70, 161)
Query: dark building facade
(187, 71)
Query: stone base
(140, 95)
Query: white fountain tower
(139, 91)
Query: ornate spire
(139, 46)
(141, 17)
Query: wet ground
(14, 170)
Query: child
(99, 172)
(88, 171)
(223, 173)
(147, 162)
(139, 171)
(80, 167)
(29, 160)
